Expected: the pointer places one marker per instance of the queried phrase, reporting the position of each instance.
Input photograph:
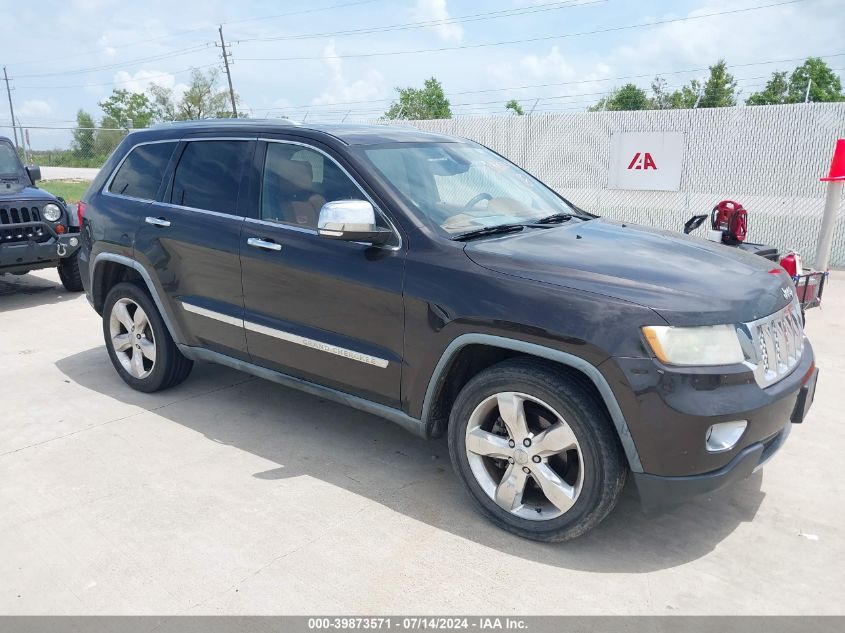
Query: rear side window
(140, 174)
(209, 174)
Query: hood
(686, 280)
(13, 191)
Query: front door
(327, 311)
(191, 238)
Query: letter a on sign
(646, 160)
(642, 161)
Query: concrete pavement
(69, 173)
(232, 495)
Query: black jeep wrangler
(36, 228)
(426, 279)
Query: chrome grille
(774, 344)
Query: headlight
(51, 212)
(706, 345)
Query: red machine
(731, 219)
(729, 225)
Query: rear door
(328, 311)
(191, 239)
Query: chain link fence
(769, 158)
(64, 146)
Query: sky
(330, 60)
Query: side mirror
(351, 221)
(34, 173)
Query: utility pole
(698, 98)
(807, 94)
(11, 107)
(228, 72)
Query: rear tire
(139, 345)
(536, 450)
(69, 273)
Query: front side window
(209, 174)
(10, 165)
(298, 181)
(461, 187)
(140, 174)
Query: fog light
(74, 241)
(724, 436)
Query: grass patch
(70, 190)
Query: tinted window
(208, 175)
(461, 186)
(298, 181)
(9, 163)
(140, 174)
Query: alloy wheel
(524, 456)
(132, 338)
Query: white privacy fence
(769, 158)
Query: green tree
(687, 96)
(776, 91)
(107, 137)
(719, 89)
(825, 84)
(83, 135)
(513, 106)
(784, 87)
(661, 98)
(428, 102)
(202, 100)
(628, 97)
(129, 109)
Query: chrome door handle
(257, 242)
(157, 221)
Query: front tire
(536, 450)
(139, 345)
(69, 273)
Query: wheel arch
(459, 361)
(109, 269)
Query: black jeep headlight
(51, 212)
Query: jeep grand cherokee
(428, 280)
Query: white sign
(646, 160)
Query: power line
(302, 11)
(119, 65)
(523, 41)
(499, 101)
(120, 83)
(476, 17)
(562, 83)
(192, 30)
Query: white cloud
(343, 89)
(141, 80)
(108, 50)
(34, 108)
(435, 10)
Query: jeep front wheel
(69, 273)
(139, 345)
(536, 450)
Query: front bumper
(669, 411)
(662, 493)
(18, 257)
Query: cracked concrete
(232, 495)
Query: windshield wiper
(488, 230)
(556, 218)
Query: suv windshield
(10, 166)
(462, 187)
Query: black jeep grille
(21, 224)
